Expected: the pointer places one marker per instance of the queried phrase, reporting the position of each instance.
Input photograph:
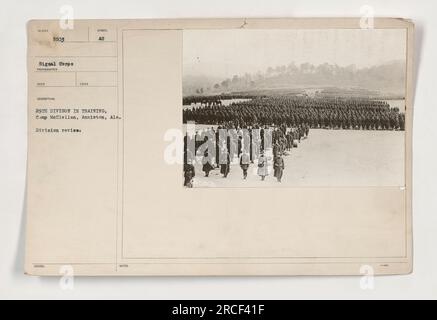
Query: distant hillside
(387, 79)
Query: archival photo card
(294, 108)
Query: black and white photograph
(294, 108)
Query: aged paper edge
(264, 269)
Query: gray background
(13, 129)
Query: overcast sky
(224, 53)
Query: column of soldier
(221, 147)
(288, 118)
